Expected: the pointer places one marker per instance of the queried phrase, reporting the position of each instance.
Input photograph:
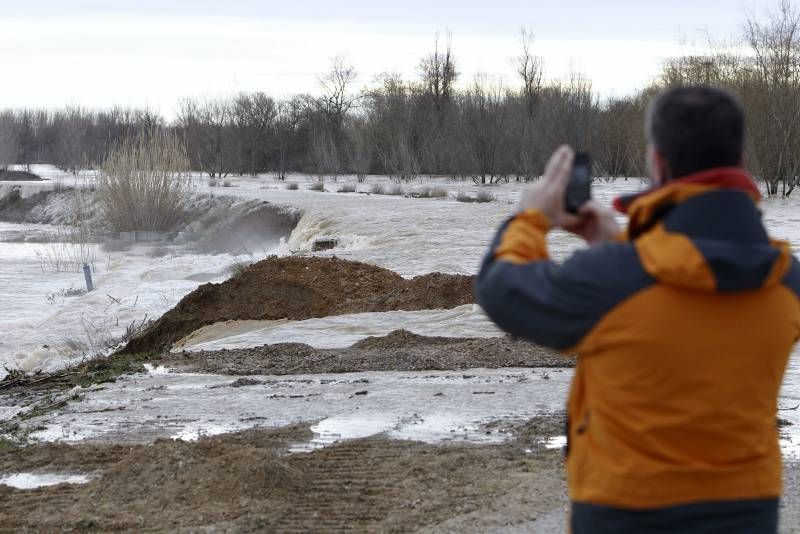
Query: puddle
(556, 442)
(40, 480)
(193, 432)
(429, 406)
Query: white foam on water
(153, 370)
(26, 481)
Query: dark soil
(399, 351)
(302, 288)
(246, 482)
(19, 176)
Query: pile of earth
(302, 288)
(399, 351)
(18, 176)
(246, 482)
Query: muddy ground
(247, 482)
(302, 288)
(398, 351)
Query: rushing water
(410, 236)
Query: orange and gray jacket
(683, 332)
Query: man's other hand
(595, 223)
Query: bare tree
(8, 140)
(254, 122)
(337, 98)
(776, 135)
(485, 121)
(208, 127)
(439, 74)
(530, 70)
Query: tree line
(438, 124)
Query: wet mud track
(247, 482)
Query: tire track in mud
(246, 482)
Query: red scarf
(722, 177)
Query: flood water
(410, 236)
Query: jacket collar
(646, 208)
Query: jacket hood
(704, 232)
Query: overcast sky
(101, 53)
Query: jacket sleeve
(554, 305)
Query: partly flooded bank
(431, 406)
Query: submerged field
(304, 391)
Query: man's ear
(657, 166)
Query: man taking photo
(683, 327)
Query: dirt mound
(302, 288)
(399, 351)
(19, 176)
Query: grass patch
(49, 404)
(377, 189)
(347, 188)
(102, 370)
(85, 374)
(292, 186)
(316, 186)
(395, 190)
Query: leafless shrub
(347, 188)
(143, 182)
(430, 192)
(239, 267)
(484, 196)
(377, 189)
(74, 245)
(317, 186)
(292, 186)
(69, 254)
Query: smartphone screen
(579, 189)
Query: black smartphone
(579, 189)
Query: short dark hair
(696, 128)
